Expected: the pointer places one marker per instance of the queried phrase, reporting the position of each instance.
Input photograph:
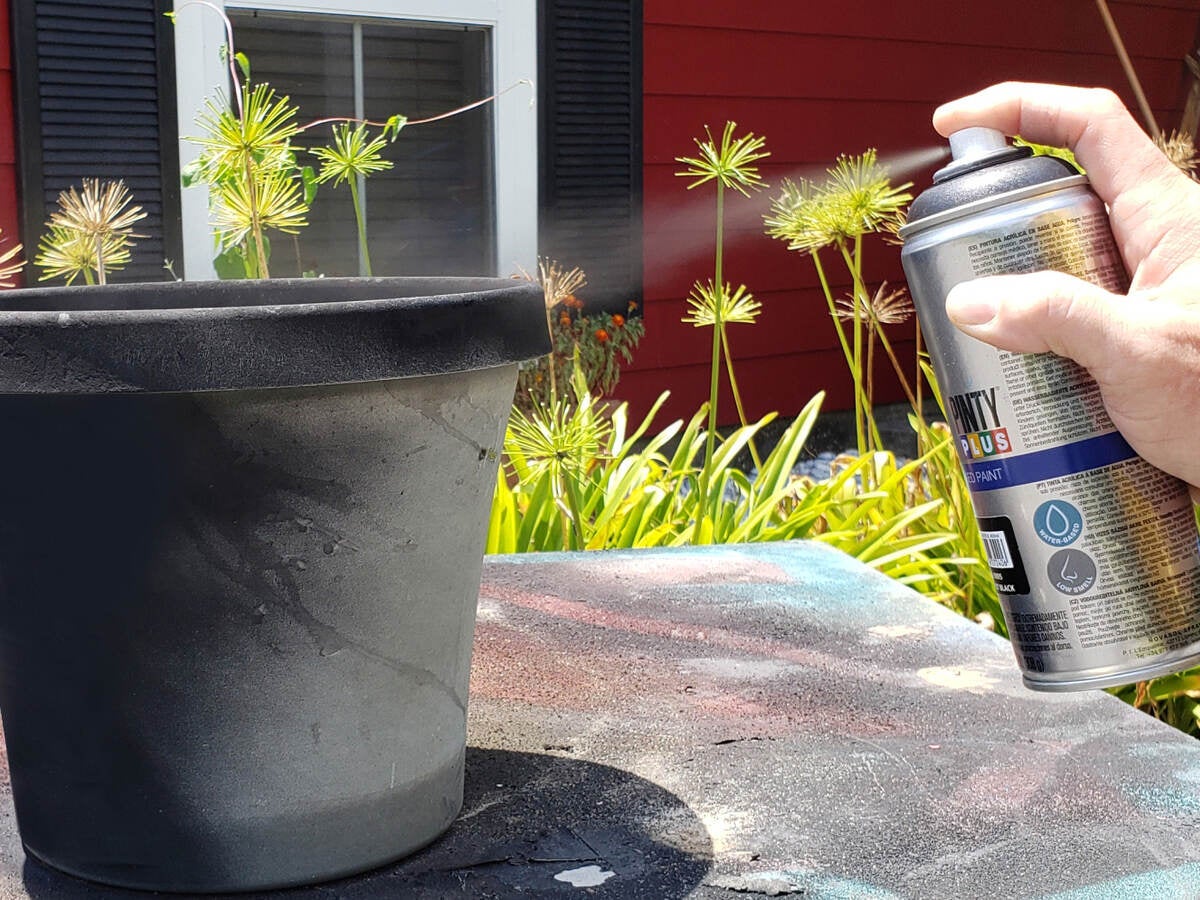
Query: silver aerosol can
(1093, 550)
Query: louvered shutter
(96, 98)
(590, 190)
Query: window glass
(433, 212)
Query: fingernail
(967, 307)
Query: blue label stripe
(1054, 462)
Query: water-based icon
(1058, 523)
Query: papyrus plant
(855, 200)
(730, 166)
(90, 233)
(250, 166)
(10, 265)
(247, 161)
(353, 156)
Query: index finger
(1116, 152)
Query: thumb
(1038, 313)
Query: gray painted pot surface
(241, 531)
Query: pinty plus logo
(979, 424)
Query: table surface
(769, 720)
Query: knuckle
(1104, 101)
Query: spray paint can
(1093, 550)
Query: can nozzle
(974, 148)
(972, 143)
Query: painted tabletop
(770, 720)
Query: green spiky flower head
(731, 164)
(354, 153)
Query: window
(462, 197)
(432, 213)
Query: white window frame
(200, 73)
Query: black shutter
(95, 85)
(590, 144)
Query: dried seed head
(1180, 149)
(557, 283)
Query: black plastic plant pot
(241, 534)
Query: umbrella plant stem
(356, 200)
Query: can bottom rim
(1186, 658)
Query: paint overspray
(683, 236)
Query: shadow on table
(527, 818)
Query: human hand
(1142, 349)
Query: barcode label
(996, 545)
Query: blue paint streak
(1157, 885)
(1054, 462)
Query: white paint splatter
(958, 679)
(897, 631)
(585, 876)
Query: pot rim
(204, 336)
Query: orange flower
(564, 320)
(572, 301)
(618, 320)
(632, 306)
(601, 335)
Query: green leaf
(391, 130)
(308, 178)
(191, 174)
(230, 264)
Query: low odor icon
(1072, 572)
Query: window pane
(432, 213)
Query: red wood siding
(816, 80)
(9, 219)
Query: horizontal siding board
(767, 385)
(798, 132)
(8, 155)
(1146, 28)
(835, 67)
(10, 220)
(6, 65)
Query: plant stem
(437, 118)
(861, 302)
(837, 322)
(575, 506)
(855, 374)
(550, 361)
(718, 329)
(256, 230)
(101, 275)
(860, 398)
(870, 361)
(920, 397)
(362, 225)
(737, 397)
(913, 399)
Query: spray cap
(974, 148)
